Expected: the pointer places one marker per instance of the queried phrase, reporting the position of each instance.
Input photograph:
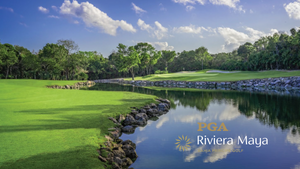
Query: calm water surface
(274, 117)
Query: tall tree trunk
(7, 72)
(132, 74)
(166, 66)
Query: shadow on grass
(76, 158)
(63, 119)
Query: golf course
(176, 84)
(55, 128)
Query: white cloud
(76, 22)
(254, 34)
(54, 8)
(137, 9)
(234, 38)
(8, 9)
(42, 9)
(192, 29)
(161, 45)
(189, 1)
(53, 16)
(189, 29)
(144, 26)
(293, 9)
(189, 8)
(94, 17)
(161, 31)
(251, 11)
(229, 3)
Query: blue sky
(219, 25)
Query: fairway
(43, 128)
(203, 76)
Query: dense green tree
(69, 61)
(129, 58)
(167, 57)
(202, 55)
(53, 60)
(8, 57)
(148, 56)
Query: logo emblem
(183, 143)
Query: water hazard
(245, 115)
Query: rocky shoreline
(77, 85)
(269, 84)
(121, 154)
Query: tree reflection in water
(270, 109)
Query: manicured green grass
(203, 76)
(43, 128)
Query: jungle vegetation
(64, 61)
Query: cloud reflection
(294, 139)
(297, 166)
(194, 154)
(140, 139)
(219, 155)
(162, 120)
(224, 113)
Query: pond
(244, 114)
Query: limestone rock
(118, 152)
(113, 119)
(129, 142)
(129, 120)
(120, 118)
(128, 129)
(129, 151)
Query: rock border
(267, 84)
(121, 154)
(77, 85)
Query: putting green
(56, 128)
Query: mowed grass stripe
(55, 128)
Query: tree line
(64, 61)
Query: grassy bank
(203, 76)
(55, 128)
